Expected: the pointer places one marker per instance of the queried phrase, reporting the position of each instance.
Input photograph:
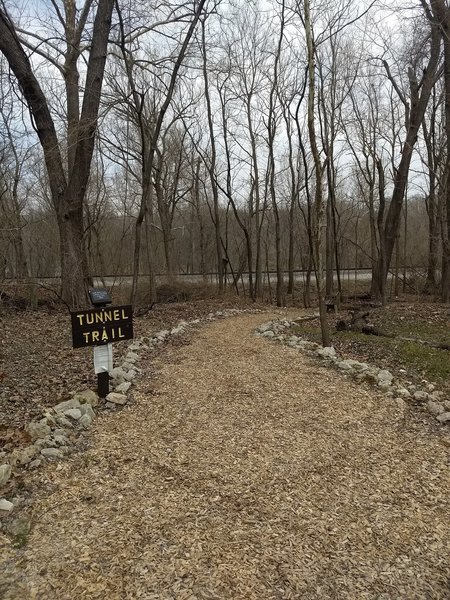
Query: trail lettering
(99, 326)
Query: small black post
(101, 297)
(103, 384)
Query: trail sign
(99, 326)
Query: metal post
(103, 384)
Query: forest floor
(411, 324)
(240, 469)
(39, 368)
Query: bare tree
(439, 16)
(13, 155)
(319, 170)
(67, 183)
(422, 71)
(150, 122)
(434, 163)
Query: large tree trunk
(419, 96)
(329, 250)
(68, 192)
(429, 134)
(212, 168)
(378, 278)
(271, 130)
(200, 221)
(255, 200)
(442, 12)
(318, 199)
(73, 269)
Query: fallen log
(439, 346)
(307, 318)
(358, 325)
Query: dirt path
(245, 471)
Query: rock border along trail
(243, 470)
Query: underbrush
(419, 322)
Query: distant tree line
(208, 136)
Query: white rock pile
(424, 395)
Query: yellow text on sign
(113, 334)
(106, 316)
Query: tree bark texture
(318, 212)
(67, 191)
(419, 96)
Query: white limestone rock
(85, 421)
(86, 409)
(87, 397)
(63, 422)
(384, 377)
(138, 344)
(123, 387)
(344, 365)
(385, 386)
(116, 398)
(358, 366)
(327, 352)
(60, 440)
(420, 396)
(435, 408)
(52, 453)
(130, 375)
(177, 330)
(23, 456)
(5, 474)
(59, 431)
(117, 373)
(5, 505)
(402, 392)
(38, 429)
(73, 413)
(443, 417)
(269, 334)
(67, 405)
(50, 419)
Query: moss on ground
(420, 361)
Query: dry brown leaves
(245, 471)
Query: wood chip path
(243, 470)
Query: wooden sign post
(99, 327)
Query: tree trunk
(443, 14)
(68, 192)
(212, 167)
(318, 199)
(73, 270)
(419, 96)
(329, 251)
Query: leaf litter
(249, 472)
